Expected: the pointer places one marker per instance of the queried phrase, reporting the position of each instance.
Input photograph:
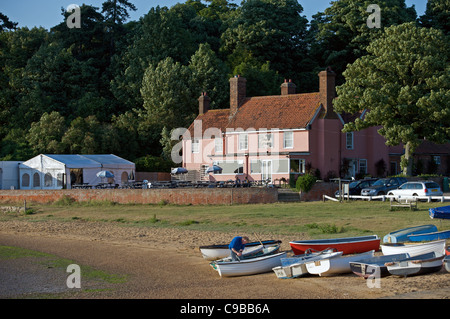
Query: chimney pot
(288, 87)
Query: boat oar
(259, 239)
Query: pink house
(282, 136)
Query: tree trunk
(407, 159)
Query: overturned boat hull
(297, 269)
(348, 245)
(401, 235)
(440, 212)
(335, 266)
(430, 236)
(413, 249)
(374, 267)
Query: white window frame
(195, 146)
(218, 145)
(243, 141)
(349, 143)
(265, 140)
(301, 165)
(288, 139)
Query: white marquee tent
(49, 171)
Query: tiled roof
(265, 112)
(213, 118)
(280, 111)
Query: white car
(419, 189)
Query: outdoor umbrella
(214, 169)
(105, 174)
(179, 170)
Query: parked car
(355, 187)
(418, 188)
(383, 186)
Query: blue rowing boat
(440, 212)
(430, 236)
(401, 235)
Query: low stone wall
(319, 189)
(179, 196)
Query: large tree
(161, 33)
(168, 99)
(266, 32)
(403, 83)
(45, 136)
(116, 13)
(6, 24)
(437, 15)
(341, 35)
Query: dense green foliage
(120, 87)
(404, 84)
(305, 182)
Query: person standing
(237, 246)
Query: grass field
(314, 219)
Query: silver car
(418, 188)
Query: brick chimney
(288, 87)
(327, 85)
(238, 93)
(203, 103)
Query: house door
(266, 170)
(352, 168)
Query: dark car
(382, 186)
(355, 187)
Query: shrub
(305, 182)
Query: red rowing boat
(348, 245)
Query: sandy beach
(164, 263)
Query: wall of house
(367, 145)
(329, 148)
(325, 146)
(207, 155)
(179, 196)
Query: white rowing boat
(447, 263)
(437, 246)
(250, 266)
(296, 267)
(215, 252)
(336, 265)
(417, 265)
